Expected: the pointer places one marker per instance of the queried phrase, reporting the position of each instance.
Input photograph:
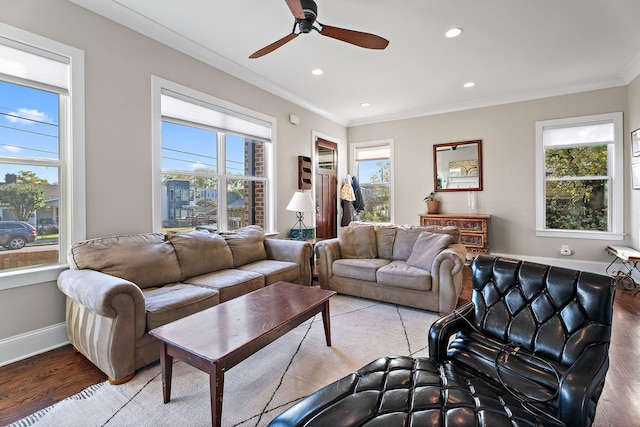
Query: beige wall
(508, 135)
(119, 64)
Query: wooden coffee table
(216, 339)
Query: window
(215, 162)
(41, 131)
(579, 178)
(372, 164)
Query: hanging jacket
(358, 203)
(348, 213)
(346, 192)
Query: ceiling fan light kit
(305, 13)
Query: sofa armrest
(446, 276)
(445, 327)
(581, 385)
(96, 291)
(327, 251)
(297, 251)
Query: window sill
(573, 234)
(30, 276)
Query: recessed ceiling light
(365, 104)
(453, 32)
(317, 72)
(469, 84)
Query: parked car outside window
(16, 234)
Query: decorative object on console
(432, 202)
(300, 203)
(474, 228)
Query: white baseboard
(19, 347)
(575, 264)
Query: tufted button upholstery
(531, 345)
(402, 391)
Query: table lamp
(300, 203)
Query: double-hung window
(579, 179)
(215, 161)
(372, 165)
(41, 152)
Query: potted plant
(432, 202)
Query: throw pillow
(247, 245)
(358, 241)
(427, 247)
(201, 252)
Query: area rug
(259, 388)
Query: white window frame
(353, 146)
(158, 84)
(616, 170)
(72, 163)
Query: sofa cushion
(175, 301)
(405, 239)
(247, 245)
(201, 252)
(427, 247)
(358, 241)
(147, 260)
(385, 238)
(362, 269)
(230, 283)
(274, 271)
(401, 275)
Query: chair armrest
(446, 276)
(297, 251)
(445, 327)
(96, 291)
(327, 251)
(581, 385)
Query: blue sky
(197, 148)
(28, 128)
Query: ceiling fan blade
(358, 38)
(296, 8)
(273, 46)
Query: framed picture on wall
(635, 143)
(635, 176)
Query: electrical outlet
(564, 250)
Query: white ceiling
(512, 49)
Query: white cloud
(30, 114)
(11, 149)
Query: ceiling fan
(305, 13)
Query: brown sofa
(415, 266)
(119, 288)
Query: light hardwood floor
(40, 381)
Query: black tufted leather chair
(542, 332)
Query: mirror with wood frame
(457, 166)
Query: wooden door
(326, 189)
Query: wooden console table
(474, 228)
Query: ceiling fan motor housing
(310, 10)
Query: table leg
(326, 320)
(166, 367)
(216, 386)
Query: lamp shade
(301, 202)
